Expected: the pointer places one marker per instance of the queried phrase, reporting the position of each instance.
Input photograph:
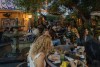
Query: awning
(95, 13)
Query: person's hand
(72, 64)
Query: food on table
(54, 57)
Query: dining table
(79, 60)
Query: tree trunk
(81, 14)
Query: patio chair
(23, 64)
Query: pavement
(9, 64)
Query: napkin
(58, 61)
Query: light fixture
(7, 14)
(29, 16)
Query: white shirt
(35, 32)
(31, 62)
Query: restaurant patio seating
(24, 53)
(5, 48)
(26, 39)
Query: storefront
(9, 18)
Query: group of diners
(51, 36)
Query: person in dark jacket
(85, 38)
(92, 49)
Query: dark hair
(52, 33)
(6, 29)
(85, 29)
(11, 29)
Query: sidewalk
(9, 64)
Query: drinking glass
(62, 57)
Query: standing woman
(39, 50)
(85, 38)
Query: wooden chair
(24, 52)
(23, 64)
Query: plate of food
(54, 58)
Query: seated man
(56, 42)
(65, 46)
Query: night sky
(7, 4)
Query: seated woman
(55, 38)
(39, 50)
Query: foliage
(79, 8)
(52, 17)
(29, 5)
(82, 6)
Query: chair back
(1, 36)
(23, 64)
